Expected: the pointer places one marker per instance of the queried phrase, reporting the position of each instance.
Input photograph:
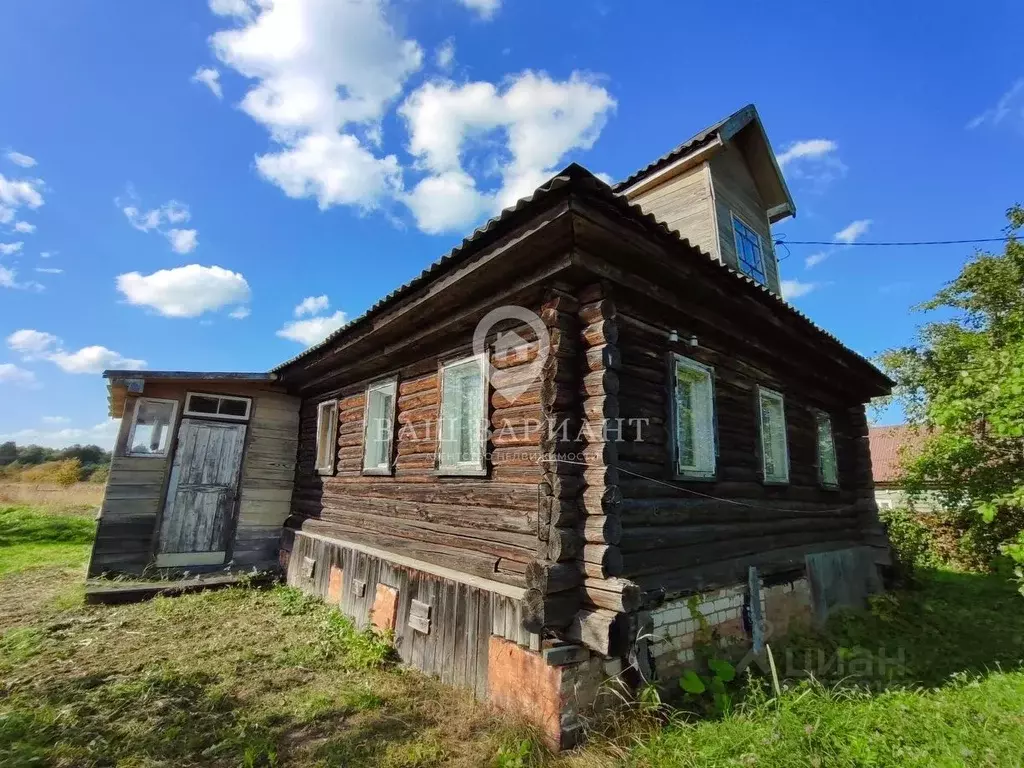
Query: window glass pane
(827, 452)
(462, 420)
(202, 404)
(233, 407)
(327, 416)
(379, 414)
(152, 432)
(695, 415)
(773, 437)
(748, 251)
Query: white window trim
(327, 469)
(384, 384)
(467, 468)
(228, 417)
(170, 428)
(819, 416)
(686, 472)
(736, 245)
(771, 393)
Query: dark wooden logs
(550, 577)
(614, 594)
(549, 611)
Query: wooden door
(201, 493)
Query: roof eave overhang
(673, 169)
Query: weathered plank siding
(463, 615)
(686, 204)
(734, 191)
(485, 526)
(128, 530)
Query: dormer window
(748, 250)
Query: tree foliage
(963, 380)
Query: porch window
(150, 433)
(326, 431)
(463, 427)
(749, 253)
(379, 427)
(694, 418)
(828, 470)
(219, 406)
(774, 449)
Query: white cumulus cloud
(56, 420)
(12, 374)
(315, 329)
(209, 77)
(483, 8)
(9, 279)
(539, 119)
(40, 345)
(794, 289)
(312, 305)
(183, 240)
(324, 73)
(853, 231)
(15, 193)
(9, 249)
(187, 291)
(816, 258)
(25, 161)
(24, 227)
(49, 271)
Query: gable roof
(576, 179)
(890, 447)
(745, 127)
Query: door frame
(232, 524)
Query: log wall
(680, 536)
(484, 526)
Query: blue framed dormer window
(749, 251)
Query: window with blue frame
(748, 251)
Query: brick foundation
(677, 630)
(385, 608)
(334, 583)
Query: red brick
(520, 681)
(334, 585)
(385, 608)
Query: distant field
(269, 677)
(48, 495)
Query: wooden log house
(527, 499)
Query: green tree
(964, 380)
(8, 453)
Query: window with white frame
(694, 418)
(463, 429)
(828, 470)
(326, 432)
(152, 422)
(749, 252)
(774, 449)
(379, 426)
(218, 406)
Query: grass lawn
(269, 677)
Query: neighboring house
(890, 448)
(661, 425)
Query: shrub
(913, 542)
(68, 472)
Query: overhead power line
(838, 243)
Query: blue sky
(198, 171)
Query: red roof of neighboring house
(888, 452)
